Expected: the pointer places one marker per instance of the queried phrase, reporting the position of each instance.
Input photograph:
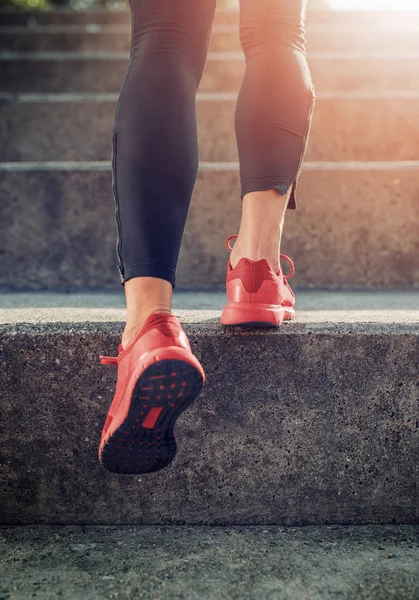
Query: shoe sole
(145, 440)
(252, 315)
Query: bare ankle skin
(144, 296)
(262, 221)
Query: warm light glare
(374, 4)
(354, 4)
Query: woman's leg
(155, 153)
(273, 117)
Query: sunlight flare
(373, 4)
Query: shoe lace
(108, 360)
(284, 256)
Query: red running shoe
(158, 378)
(256, 295)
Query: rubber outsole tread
(172, 385)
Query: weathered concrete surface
(329, 436)
(339, 38)
(311, 563)
(382, 320)
(354, 308)
(96, 72)
(354, 228)
(344, 128)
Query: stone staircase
(358, 218)
(314, 424)
(296, 430)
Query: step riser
(87, 17)
(343, 129)
(317, 442)
(340, 40)
(354, 228)
(100, 75)
(357, 19)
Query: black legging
(154, 141)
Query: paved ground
(312, 563)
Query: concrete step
(357, 226)
(98, 16)
(358, 19)
(238, 563)
(224, 38)
(98, 71)
(316, 423)
(346, 126)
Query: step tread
(392, 311)
(86, 55)
(324, 165)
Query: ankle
(261, 227)
(144, 296)
(255, 253)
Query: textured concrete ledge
(351, 311)
(238, 563)
(373, 127)
(52, 320)
(316, 423)
(59, 228)
(96, 72)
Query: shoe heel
(252, 314)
